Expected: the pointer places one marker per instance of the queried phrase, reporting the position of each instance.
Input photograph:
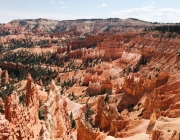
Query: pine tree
(73, 123)
(106, 99)
(87, 112)
(71, 116)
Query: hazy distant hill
(82, 25)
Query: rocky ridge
(42, 26)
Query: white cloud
(176, 11)
(149, 13)
(92, 16)
(52, 1)
(61, 2)
(103, 5)
(134, 10)
(151, 2)
(11, 15)
(63, 7)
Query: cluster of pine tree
(168, 28)
(25, 58)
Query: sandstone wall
(23, 121)
(57, 121)
(86, 132)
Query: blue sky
(149, 10)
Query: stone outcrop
(164, 100)
(162, 78)
(83, 53)
(12, 66)
(109, 119)
(86, 79)
(105, 114)
(166, 129)
(72, 27)
(100, 105)
(24, 122)
(119, 124)
(21, 122)
(97, 84)
(4, 128)
(152, 105)
(5, 76)
(32, 97)
(0, 72)
(118, 89)
(90, 41)
(151, 123)
(57, 121)
(62, 49)
(86, 132)
(133, 85)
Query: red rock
(85, 131)
(57, 121)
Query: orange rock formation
(57, 121)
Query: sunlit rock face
(86, 132)
(12, 66)
(133, 85)
(166, 129)
(23, 124)
(4, 128)
(105, 114)
(23, 121)
(5, 76)
(57, 121)
(164, 100)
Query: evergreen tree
(73, 123)
(106, 99)
(71, 116)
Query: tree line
(168, 28)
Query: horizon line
(95, 19)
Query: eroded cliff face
(4, 76)
(133, 85)
(118, 125)
(57, 123)
(140, 73)
(105, 114)
(23, 121)
(166, 129)
(165, 98)
(4, 128)
(32, 97)
(86, 132)
(12, 66)
(23, 124)
(72, 27)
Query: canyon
(105, 85)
